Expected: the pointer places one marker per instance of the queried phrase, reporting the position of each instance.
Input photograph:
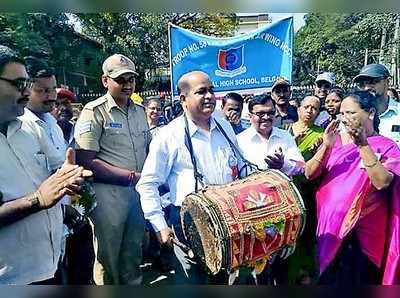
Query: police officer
(111, 137)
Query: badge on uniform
(115, 125)
(84, 127)
(233, 164)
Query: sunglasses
(324, 85)
(123, 81)
(21, 83)
(369, 81)
(281, 89)
(262, 114)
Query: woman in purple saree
(358, 200)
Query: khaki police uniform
(120, 137)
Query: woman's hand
(330, 133)
(357, 132)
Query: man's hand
(300, 137)
(233, 117)
(67, 180)
(276, 160)
(165, 236)
(134, 178)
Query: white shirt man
(389, 125)
(268, 146)
(31, 247)
(30, 213)
(48, 134)
(376, 78)
(169, 161)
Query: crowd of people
(339, 147)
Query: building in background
(250, 22)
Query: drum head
(202, 233)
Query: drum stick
(183, 247)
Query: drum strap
(237, 152)
(198, 178)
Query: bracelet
(372, 165)
(34, 200)
(317, 160)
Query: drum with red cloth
(243, 223)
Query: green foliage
(52, 37)
(144, 36)
(337, 42)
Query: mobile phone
(395, 128)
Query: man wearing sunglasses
(111, 137)
(30, 212)
(376, 78)
(323, 84)
(285, 113)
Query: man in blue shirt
(232, 107)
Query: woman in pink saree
(358, 200)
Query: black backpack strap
(236, 151)
(198, 178)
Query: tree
(144, 36)
(337, 43)
(51, 37)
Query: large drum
(243, 223)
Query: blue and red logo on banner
(230, 59)
(248, 61)
(230, 62)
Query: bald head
(186, 81)
(196, 93)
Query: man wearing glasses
(323, 84)
(268, 146)
(37, 119)
(375, 77)
(30, 213)
(111, 137)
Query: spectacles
(369, 81)
(281, 89)
(45, 90)
(123, 81)
(21, 83)
(262, 114)
(324, 85)
(154, 109)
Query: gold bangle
(372, 165)
(317, 160)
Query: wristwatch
(34, 200)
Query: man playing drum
(170, 161)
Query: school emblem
(231, 62)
